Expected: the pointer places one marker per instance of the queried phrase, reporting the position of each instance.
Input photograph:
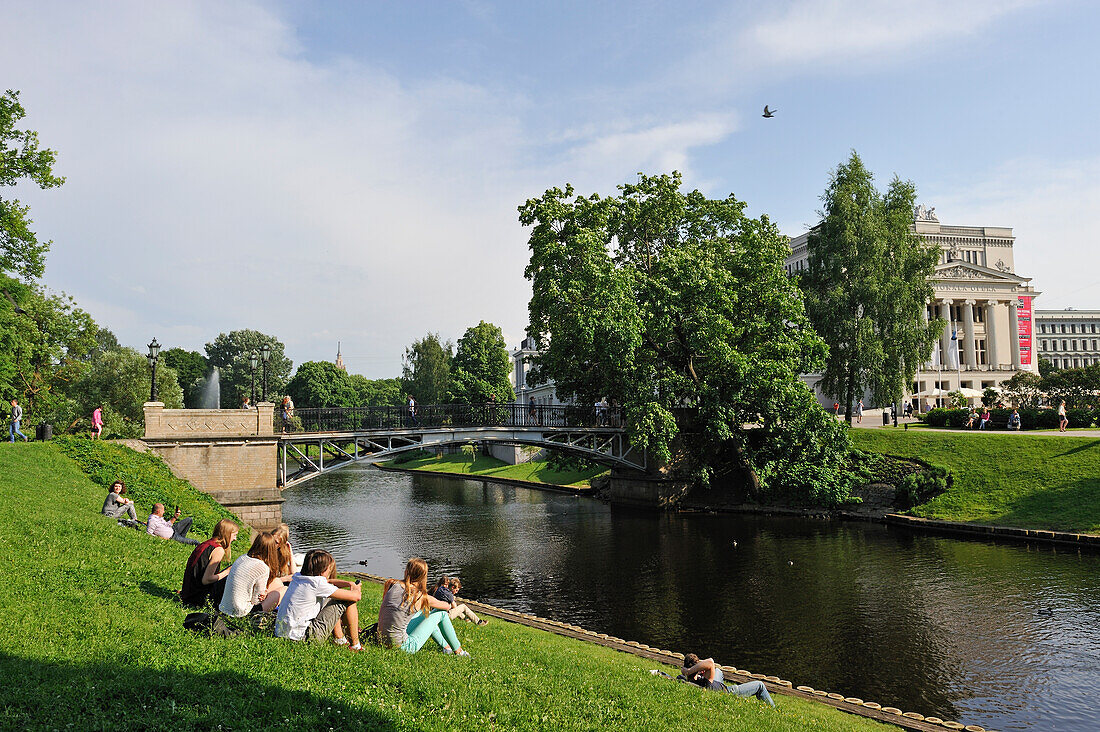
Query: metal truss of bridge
(331, 439)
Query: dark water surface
(953, 628)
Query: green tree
(990, 396)
(21, 159)
(660, 299)
(230, 353)
(118, 381)
(426, 369)
(1024, 389)
(867, 287)
(1077, 386)
(1046, 367)
(480, 368)
(320, 384)
(375, 392)
(191, 369)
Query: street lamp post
(265, 356)
(154, 353)
(253, 359)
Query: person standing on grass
(204, 579)
(409, 615)
(253, 584)
(97, 423)
(316, 606)
(706, 673)
(1063, 420)
(174, 528)
(16, 418)
(116, 505)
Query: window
(1094, 345)
(1042, 327)
(1057, 363)
(1063, 327)
(1064, 346)
(1043, 346)
(1076, 363)
(1074, 345)
(979, 351)
(1073, 328)
(979, 315)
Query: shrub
(936, 417)
(408, 457)
(918, 488)
(1080, 417)
(957, 418)
(1046, 419)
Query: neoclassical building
(1068, 338)
(987, 306)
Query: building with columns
(987, 306)
(544, 394)
(1068, 338)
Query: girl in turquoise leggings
(409, 615)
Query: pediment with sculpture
(966, 271)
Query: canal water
(1006, 636)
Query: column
(1014, 333)
(991, 334)
(945, 339)
(969, 350)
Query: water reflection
(936, 625)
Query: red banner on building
(1023, 321)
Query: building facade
(1068, 338)
(988, 308)
(544, 394)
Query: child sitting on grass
(315, 605)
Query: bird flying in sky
(769, 112)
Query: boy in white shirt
(315, 605)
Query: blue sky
(351, 170)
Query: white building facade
(544, 394)
(988, 308)
(1069, 338)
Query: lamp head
(253, 359)
(265, 352)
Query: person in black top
(203, 580)
(446, 590)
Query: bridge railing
(357, 419)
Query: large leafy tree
(426, 370)
(480, 368)
(191, 369)
(1079, 387)
(661, 300)
(867, 287)
(321, 384)
(21, 159)
(118, 381)
(375, 392)
(230, 352)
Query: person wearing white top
(316, 606)
(253, 584)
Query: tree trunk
(849, 395)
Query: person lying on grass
(409, 615)
(315, 605)
(204, 579)
(174, 528)
(707, 674)
(447, 590)
(116, 505)
(253, 584)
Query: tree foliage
(1079, 387)
(118, 381)
(191, 369)
(481, 366)
(867, 287)
(1024, 389)
(660, 299)
(320, 384)
(426, 369)
(230, 353)
(375, 392)
(21, 159)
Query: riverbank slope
(94, 640)
(1018, 480)
(535, 471)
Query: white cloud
(1054, 209)
(219, 179)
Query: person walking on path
(175, 529)
(1063, 420)
(16, 418)
(413, 420)
(245, 403)
(859, 412)
(97, 422)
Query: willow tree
(868, 285)
(663, 300)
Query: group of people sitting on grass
(117, 506)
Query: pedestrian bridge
(331, 439)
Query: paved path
(873, 420)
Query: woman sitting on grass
(409, 615)
(254, 584)
(315, 604)
(289, 564)
(202, 580)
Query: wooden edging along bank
(1091, 541)
(775, 685)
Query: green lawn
(93, 640)
(1040, 482)
(535, 471)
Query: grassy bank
(94, 641)
(535, 471)
(1006, 479)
